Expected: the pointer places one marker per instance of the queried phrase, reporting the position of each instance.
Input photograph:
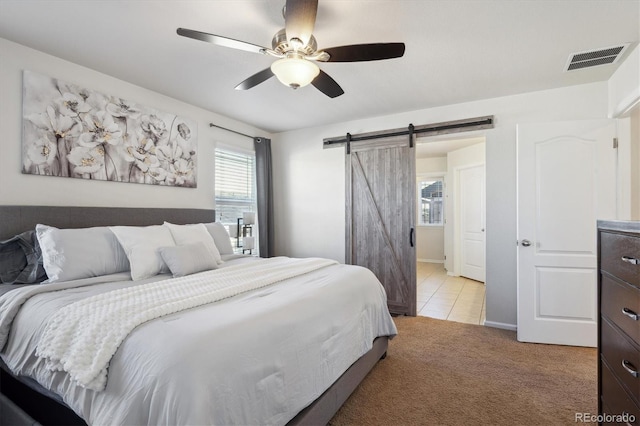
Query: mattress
(259, 357)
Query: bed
(289, 351)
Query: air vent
(594, 58)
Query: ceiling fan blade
(221, 41)
(300, 18)
(255, 79)
(327, 85)
(365, 52)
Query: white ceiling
(456, 51)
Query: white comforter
(82, 337)
(256, 358)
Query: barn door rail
(457, 126)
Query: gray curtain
(265, 196)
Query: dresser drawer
(618, 254)
(621, 304)
(612, 419)
(615, 398)
(622, 357)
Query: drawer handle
(631, 369)
(628, 312)
(631, 260)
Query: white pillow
(141, 244)
(71, 254)
(187, 259)
(189, 234)
(220, 237)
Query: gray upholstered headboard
(17, 219)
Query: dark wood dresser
(619, 321)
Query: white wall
(624, 85)
(310, 189)
(624, 104)
(430, 244)
(17, 188)
(430, 239)
(431, 165)
(456, 160)
(635, 163)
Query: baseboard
(431, 260)
(501, 325)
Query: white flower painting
(75, 132)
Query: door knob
(525, 243)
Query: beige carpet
(447, 373)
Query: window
(430, 206)
(235, 189)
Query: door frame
(451, 204)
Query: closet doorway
(450, 232)
(380, 201)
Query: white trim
(424, 175)
(624, 163)
(501, 325)
(626, 106)
(431, 260)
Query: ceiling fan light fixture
(294, 71)
(297, 51)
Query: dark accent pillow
(21, 260)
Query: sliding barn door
(381, 212)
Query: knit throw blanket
(81, 338)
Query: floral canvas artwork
(75, 132)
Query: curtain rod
(232, 131)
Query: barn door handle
(411, 237)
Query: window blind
(235, 185)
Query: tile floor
(452, 298)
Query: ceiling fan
(297, 51)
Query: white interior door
(472, 222)
(566, 182)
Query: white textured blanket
(82, 337)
